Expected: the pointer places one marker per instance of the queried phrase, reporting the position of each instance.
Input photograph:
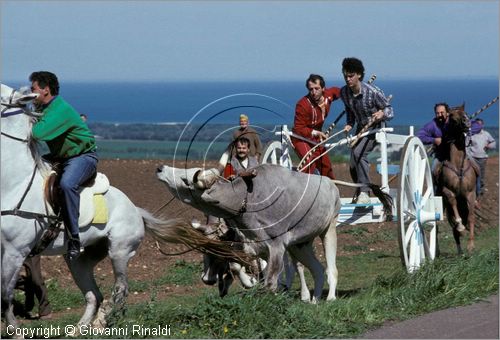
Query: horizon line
(242, 80)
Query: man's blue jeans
(76, 171)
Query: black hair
(44, 79)
(314, 78)
(353, 65)
(243, 140)
(446, 107)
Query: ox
(275, 209)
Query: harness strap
(452, 168)
(27, 189)
(14, 138)
(29, 214)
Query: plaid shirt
(359, 108)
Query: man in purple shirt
(432, 132)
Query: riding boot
(73, 247)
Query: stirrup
(73, 249)
(48, 235)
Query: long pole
(483, 108)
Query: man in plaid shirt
(363, 103)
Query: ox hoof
(331, 298)
(461, 229)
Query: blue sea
(269, 102)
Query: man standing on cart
(365, 104)
(310, 114)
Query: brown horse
(457, 178)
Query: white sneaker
(363, 198)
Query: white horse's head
(16, 98)
(17, 120)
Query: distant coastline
(193, 141)
(265, 102)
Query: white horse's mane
(23, 99)
(33, 146)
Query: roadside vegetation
(373, 288)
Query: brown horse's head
(458, 121)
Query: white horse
(22, 181)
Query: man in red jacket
(310, 114)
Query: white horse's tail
(178, 231)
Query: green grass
(373, 288)
(181, 273)
(257, 314)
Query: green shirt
(66, 134)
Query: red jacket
(309, 116)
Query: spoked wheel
(416, 214)
(276, 154)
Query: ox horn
(204, 179)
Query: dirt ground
(137, 179)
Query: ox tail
(383, 197)
(178, 231)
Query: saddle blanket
(93, 207)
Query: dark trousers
(359, 166)
(480, 179)
(76, 171)
(34, 285)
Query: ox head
(181, 183)
(188, 185)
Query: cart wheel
(275, 155)
(416, 215)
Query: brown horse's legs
(471, 219)
(452, 201)
(453, 216)
(456, 236)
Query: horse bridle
(17, 210)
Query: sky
(248, 40)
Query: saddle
(93, 207)
(92, 204)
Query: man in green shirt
(71, 143)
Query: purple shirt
(434, 129)
(430, 131)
